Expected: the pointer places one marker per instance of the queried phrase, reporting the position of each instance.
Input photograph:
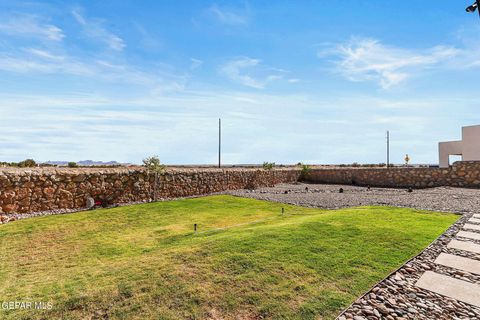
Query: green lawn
(144, 262)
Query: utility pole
(219, 142)
(388, 149)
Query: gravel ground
(444, 199)
(396, 297)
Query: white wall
(468, 147)
(471, 143)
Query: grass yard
(144, 262)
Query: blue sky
(293, 81)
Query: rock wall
(46, 189)
(461, 174)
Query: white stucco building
(468, 147)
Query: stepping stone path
(461, 263)
(474, 220)
(451, 287)
(471, 226)
(442, 282)
(464, 245)
(469, 235)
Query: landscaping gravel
(446, 199)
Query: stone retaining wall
(462, 174)
(45, 189)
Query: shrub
(27, 163)
(268, 165)
(72, 165)
(305, 169)
(153, 164)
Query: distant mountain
(97, 163)
(86, 163)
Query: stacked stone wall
(49, 189)
(46, 189)
(464, 174)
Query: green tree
(268, 165)
(28, 163)
(153, 164)
(305, 170)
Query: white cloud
(31, 26)
(41, 61)
(44, 126)
(241, 70)
(94, 29)
(228, 16)
(195, 63)
(100, 67)
(44, 54)
(370, 60)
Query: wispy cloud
(33, 61)
(195, 63)
(229, 16)
(362, 59)
(147, 39)
(44, 126)
(41, 58)
(41, 53)
(241, 70)
(94, 29)
(30, 26)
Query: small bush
(28, 163)
(153, 164)
(305, 170)
(72, 165)
(268, 165)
